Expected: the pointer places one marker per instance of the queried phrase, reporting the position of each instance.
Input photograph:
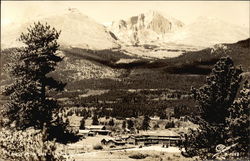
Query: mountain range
(207, 31)
(80, 31)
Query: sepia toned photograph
(125, 81)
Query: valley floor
(155, 153)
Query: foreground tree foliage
(218, 94)
(30, 104)
(239, 121)
(27, 145)
(214, 100)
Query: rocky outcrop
(144, 28)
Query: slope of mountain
(201, 62)
(209, 31)
(83, 69)
(75, 68)
(77, 30)
(144, 28)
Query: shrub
(156, 126)
(82, 124)
(138, 156)
(177, 124)
(97, 147)
(145, 123)
(95, 120)
(111, 122)
(170, 124)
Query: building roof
(159, 133)
(95, 127)
(84, 131)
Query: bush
(156, 126)
(82, 124)
(138, 156)
(177, 124)
(27, 145)
(97, 147)
(111, 122)
(170, 124)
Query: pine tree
(239, 122)
(145, 123)
(111, 122)
(82, 124)
(219, 92)
(130, 124)
(95, 120)
(124, 125)
(214, 99)
(30, 105)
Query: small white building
(98, 129)
(95, 127)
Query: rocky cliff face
(154, 28)
(145, 27)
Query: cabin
(95, 127)
(171, 142)
(86, 133)
(112, 142)
(104, 141)
(83, 133)
(153, 139)
(166, 138)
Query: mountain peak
(78, 30)
(207, 31)
(149, 26)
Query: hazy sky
(107, 11)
